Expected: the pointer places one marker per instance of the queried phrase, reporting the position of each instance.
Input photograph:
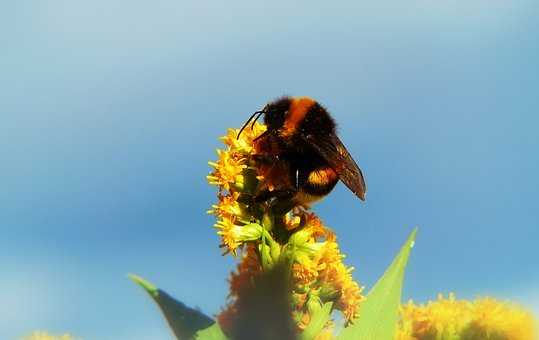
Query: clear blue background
(109, 111)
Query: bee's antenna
(248, 121)
(254, 120)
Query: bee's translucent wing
(334, 152)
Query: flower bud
(299, 238)
(249, 232)
(313, 304)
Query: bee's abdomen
(316, 184)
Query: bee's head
(274, 114)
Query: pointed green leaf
(213, 332)
(318, 320)
(379, 313)
(183, 321)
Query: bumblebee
(300, 156)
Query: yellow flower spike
(482, 319)
(317, 270)
(39, 335)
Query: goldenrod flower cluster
(452, 319)
(39, 335)
(261, 239)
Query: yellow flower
(244, 143)
(448, 319)
(339, 277)
(234, 235)
(317, 229)
(228, 170)
(39, 335)
(493, 318)
(228, 206)
(304, 275)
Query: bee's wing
(334, 152)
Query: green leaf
(213, 332)
(379, 312)
(318, 320)
(185, 322)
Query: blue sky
(110, 110)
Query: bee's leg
(280, 201)
(274, 198)
(285, 202)
(265, 159)
(251, 204)
(267, 195)
(281, 207)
